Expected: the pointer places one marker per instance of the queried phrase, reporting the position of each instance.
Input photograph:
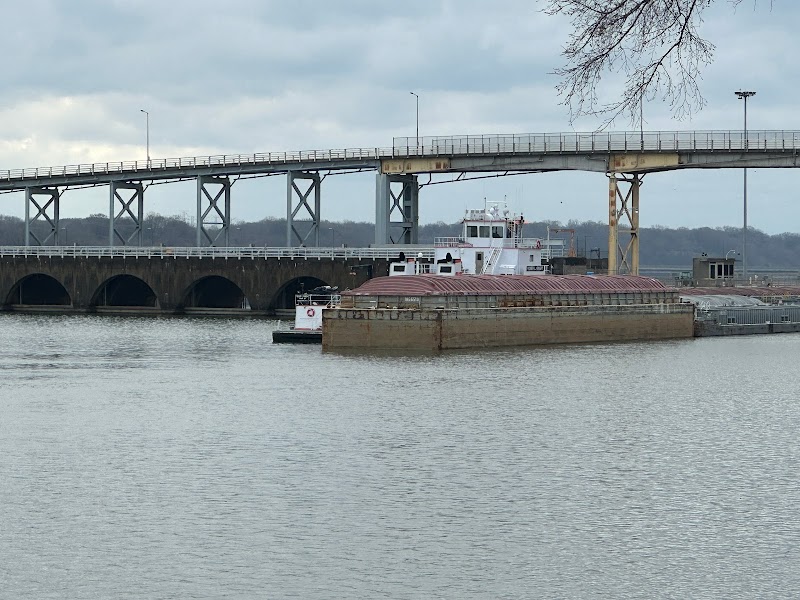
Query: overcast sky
(258, 76)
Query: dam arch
(283, 299)
(38, 289)
(214, 292)
(124, 290)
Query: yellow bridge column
(612, 224)
(623, 260)
(634, 231)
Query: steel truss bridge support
(623, 218)
(51, 203)
(135, 193)
(314, 182)
(213, 214)
(403, 199)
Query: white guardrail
(405, 147)
(215, 252)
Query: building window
(712, 270)
(533, 257)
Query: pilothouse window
(497, 231)
(472, 231)
(484, 230)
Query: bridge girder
(212, 210)
(396, 195)
(314, 184)
(623, 218)
(125, 213)
(46, 210)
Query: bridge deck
(445, 147)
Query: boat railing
(327, 300)
(529, 243)
(445, 242)
(456, 242)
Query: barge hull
(443, 329)
(292, 336)
(711, 329)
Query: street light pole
(744, 96)
(333, 237)
(417, 97)
(147, 131)
(641, 114)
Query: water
(191, 458)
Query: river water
(192, 458)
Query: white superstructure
(491, 243)
(309, 306)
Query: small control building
(708, 271)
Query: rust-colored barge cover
(437, 285)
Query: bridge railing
(604, 142)
(212, 252)
(196, 162)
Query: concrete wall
(477, 328)
(171, 279)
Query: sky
(246, 76)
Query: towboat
(308, 308)
(491, 243)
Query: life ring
(538, 244)
(310, 312)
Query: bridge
(132, 280)
(625, 157)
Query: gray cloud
(252, 76)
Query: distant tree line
(659, 246)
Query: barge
(491, 287)
(432, 312)
(750, 310)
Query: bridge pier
(623, 260)
(213, 210)
(314, 185)
(137, 195)
(404, 200)
(52, 203)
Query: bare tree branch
(654, 44)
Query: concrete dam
(172, 280)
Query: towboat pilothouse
(491, 243)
